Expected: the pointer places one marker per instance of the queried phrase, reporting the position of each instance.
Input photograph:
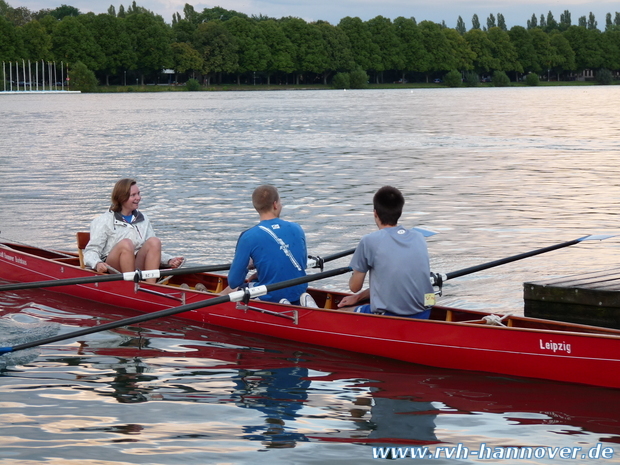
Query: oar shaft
(112, 277)
(233, 297)
(337, 255)
(503, 261)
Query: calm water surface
(495, 172)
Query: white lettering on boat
(12, 258)
(555, 346)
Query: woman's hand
(176, 262)
(101, 267)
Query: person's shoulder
(104, 217)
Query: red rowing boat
(451, 338)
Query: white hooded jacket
(109, 229)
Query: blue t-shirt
(278, 250)
(398, 261)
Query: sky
(516, 12)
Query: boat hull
(531, 348)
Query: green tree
(63, 11)
(504, 51)
(113, 39)
(218, 14)
(281, 50)
(19, 16)
(9, 49)
(610, 48)
(217, 48)
(592, 23)
(552, 24)
(533, 22)
(37, 41)
(564, 54)
(183, 29)
(309, 52)
(604, 76)
(532, 79)
(471, 79)
(438, 48)
(565, 21)
(252, 51)
(460, 26)
(185, 58)
(585, 44)
(72, 41)
(338, 48)
(358, 79)
(341, 81)
(415, 57)
(500, 79)
(501, 22)
(545, 53)
(453, 79)
(82, 78)
(491, 22)
(483, 48)
(475, 22)
(150, 39)
(463, 55)
(526, 54)
(384, 36)
(365, 52)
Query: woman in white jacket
(123, 237)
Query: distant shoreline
(290, 87)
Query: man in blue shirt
(274, 247)
(398, 262)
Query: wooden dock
(591, 299)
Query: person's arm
(96, 245)
(239, 266)
(353, 300)
(356, 282)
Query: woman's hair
(264, 197)
(120, 193)
(388, 203)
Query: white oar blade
(597, 237)
(425, 232)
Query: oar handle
(236, 296)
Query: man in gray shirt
(398, 262)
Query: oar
(439, 278)
(127, 276)
(317, 262)
(236, 296)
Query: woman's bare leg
(122, 256)
(149, 256)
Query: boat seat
(82, 238)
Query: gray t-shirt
(397, 259)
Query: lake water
(495, 172)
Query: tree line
(225, 46)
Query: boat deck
(591, 299)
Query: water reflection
(279, 394)
(150, 387)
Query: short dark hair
(121, 193)
(388, 202)
(263, 197)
